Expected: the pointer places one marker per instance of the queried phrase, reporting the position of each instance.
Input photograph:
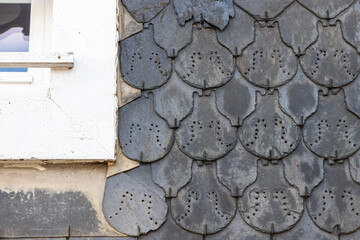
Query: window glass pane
(14, 30)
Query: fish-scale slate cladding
(248, 124)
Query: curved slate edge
(352, 96)
(144, 10)
(326, 9)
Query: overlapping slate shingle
(250, 143)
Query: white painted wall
(65, 114)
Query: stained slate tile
(239, 33)
(172, 172)
(350, 24)
(204, 205)
(334, 205)
(331, 61)
(303, 169)
(332, 125)
(305, 229)
(215, 12)
(267, 62)
(170, 230)
(205, 63)
(298, 27)
(264, 9)
(237, 170)
(144, 65)
(354, 161)
(271, 205)
(144, 10)
(326, 8)
(174, 100)
(237, 99)
(351, 236)
(352, 96)
(269, 132)
(168, 34)
(299, 97)
(143, 135)
(238, 229)
(205, 134)
(130, 206)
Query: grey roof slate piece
(264, 9)
(326, 8)
(354, 162)
(271, 206)
(205, 63)
(144, 65)
(204, 205)
(267, 62)
(144, 10)
(352, 96)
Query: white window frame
(63, 115)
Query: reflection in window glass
(14, 30)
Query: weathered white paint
(65, 114)
(36, 60)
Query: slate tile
(354, 162)
(331, 61)
(214, 12)
(205, 134)
(299, 97)
(130, 206)
(305, 229)
(326, 8)
(267, 62)
(237, 170)
(237, 99)
(174, 100)
(172, 172)
(144, 65)
(334, 205)
(271, 205)
(303, 169)
(205, 63)
(168, 34)
(144, 10)
(238, 229)
(264, 9)
(298, 27)
(352, 96)
(143, 135)
(269, 132)
(239, 33)
(203, 206)
(332, 125)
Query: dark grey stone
(144, 65)
(172, 172)
(215, 12)
(168, 34)
(237, 99)
(43, 213)
(352, 98)
(264, 9)
(204, 205)
(334, 205)
(237, 170)
(298, 27)
(303, 169)
(174, 100)
(332, 132)
(171, 231)
(326, 8)
(299, 97)
(267, 62)
(331, 61)
(305, 230)
(238, 34)
(268, 132)
(238, 229)
(205, 63)
(144, 10)
(143, 135)
(354, 161)
(271, 205)
(130, 206)
(206, 134)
